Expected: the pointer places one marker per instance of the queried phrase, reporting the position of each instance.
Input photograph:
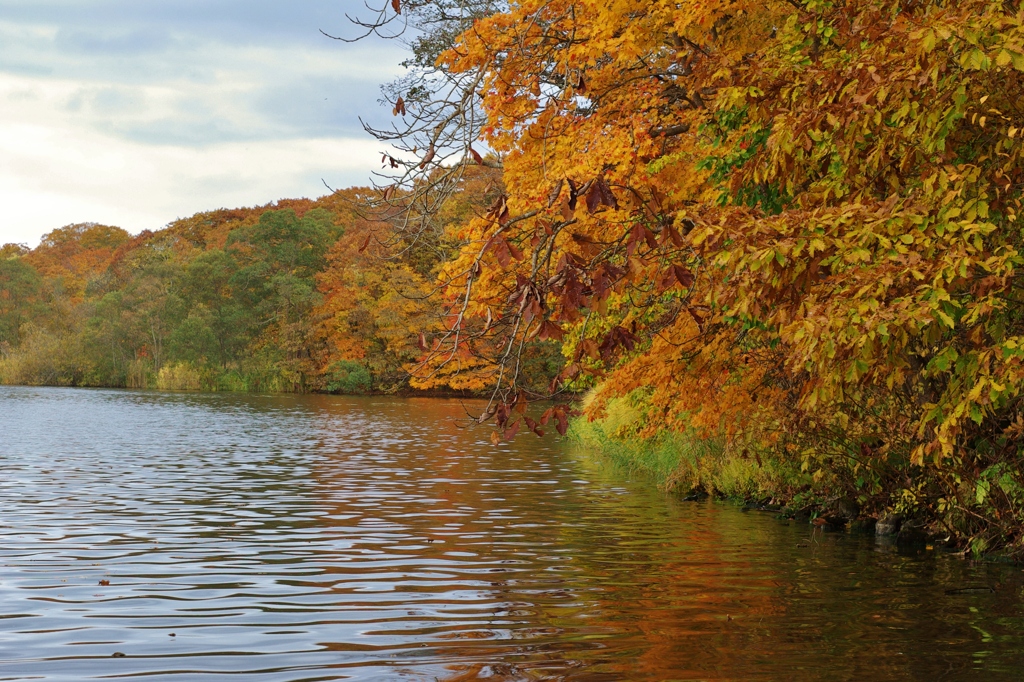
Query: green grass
(686, 461)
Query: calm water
(321, 538)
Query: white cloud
(136, 126)
(54, 172)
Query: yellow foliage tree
(792, 222)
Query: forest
(291, 297)
(761, 249)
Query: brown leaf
(588, 347)
(397, 6)
(555, 193)
(428, 158)
(561, 422)
(636, 235)
(104, 582)
(607, 196)
(399, 107)
(534, 310)
(502, 414)
(502, 252)
(495, 438)
(550, 330)
(674, 236)
(366, 242)
(422, 341)
(476, 156)
(599, 194)
(652, 241)
(499, 210)
(593, 197)
(516, 252)
(588, 246)
(511, 431)
(497, 207)
(683, 276)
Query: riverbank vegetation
(786, 233)
(775, 242)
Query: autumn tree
(75, 255)
(791, 223)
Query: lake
(281, 538)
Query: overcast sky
(138, 112)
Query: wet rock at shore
(863, 525)
(888, 525)
(839, 513)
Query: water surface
(286, 538)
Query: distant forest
(295, 296)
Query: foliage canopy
(790, 223)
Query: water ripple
(195, 537)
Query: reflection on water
(321, 538)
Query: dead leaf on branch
(499, 210)
(599, 195)
(550, 330)
(428, 158)
(555, 193)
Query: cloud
(135, 42)
(51, 177)
(135, 113)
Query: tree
(279, 258)
(74, 256)
(20, 299)
(213, 324)
(793, 223)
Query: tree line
(287, 297)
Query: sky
(138, 112)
